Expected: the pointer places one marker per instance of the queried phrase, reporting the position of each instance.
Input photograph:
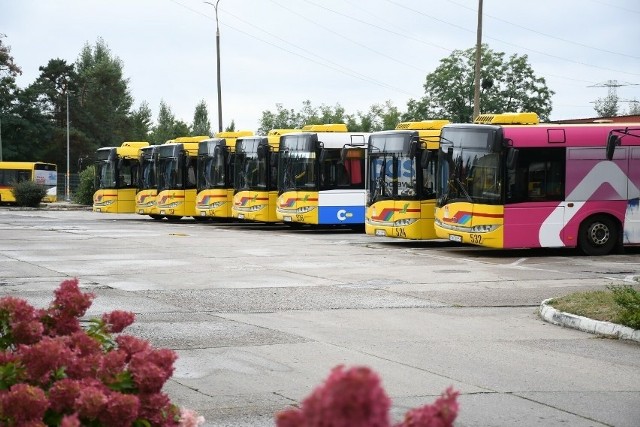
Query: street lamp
(215, 6)
(66, 187)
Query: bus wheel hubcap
(599, 234)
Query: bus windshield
(469, 167)
(393, 170)
(106, 173)
(251, 170)
(168, 173)
(298, 163)
(212, 171)
(147, 173)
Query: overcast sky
(355, 53)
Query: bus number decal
(299, 217)
(476, 239)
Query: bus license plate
(240, 216)
(287, 219)
(203, 213)
(455, 238)
(381, 233)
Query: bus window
(539, 174)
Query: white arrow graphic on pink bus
(549, 234)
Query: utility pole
(67, 177)
(476, 92)
(215, 6)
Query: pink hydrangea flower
(23, 403)
(117, 320)
(442, 413)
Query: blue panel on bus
(341, 215)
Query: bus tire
(598, 235)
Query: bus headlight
(487, 228)
(405, 222)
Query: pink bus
(511, 182)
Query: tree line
(95, 95)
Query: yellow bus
(401, 180)
(147, 182)
(176, 166)
(256, 177)
(116, 178)
(42, 173)
(215, 174)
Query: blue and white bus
(321, 177)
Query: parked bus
(148, 182)
(321, 176)
(177, 165)
(256, 177)
(116, 178)
(401, 180)
(215, 174)
(42, 173)
(511, 182)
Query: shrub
(28, 193)
(628, 299)
(53, 372)
(84, 193)
(355, 398)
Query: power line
(508, 43)
(547, 35)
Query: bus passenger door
(632, 215)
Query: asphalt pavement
(259, 314)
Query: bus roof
(569, 135)
(422, 125)
(336, 139)
(329, 127)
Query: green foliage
(28, 193)
(201, 124)
(378, 117)
(508, 85)
(629, 301)
(104, 95)
(84, 193)
(140, 123)
(168, 127)
(607, 106)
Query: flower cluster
(354, 397)
(54, 372)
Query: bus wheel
(156, 217)
(598, 235)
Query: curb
(568, 320)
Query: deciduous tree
(508, 85)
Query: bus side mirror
(612, 142)
(262, 152)
(413, 148)
(425, 158)
(512, 158)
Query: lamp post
(215, 6)
(476, 93)
(66, 187)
